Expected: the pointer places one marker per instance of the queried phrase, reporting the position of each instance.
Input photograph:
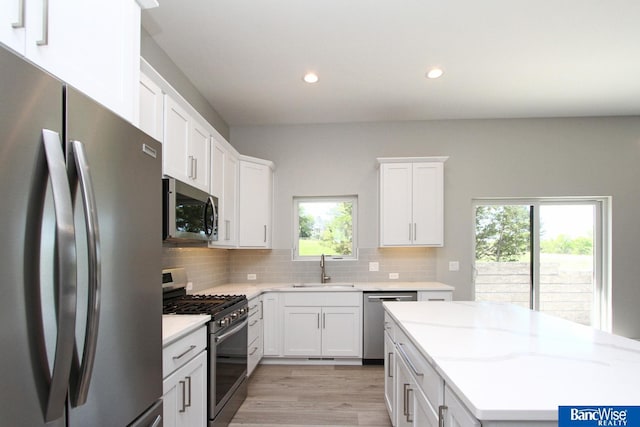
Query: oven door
(227, 365)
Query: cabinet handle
(253, 351)
(45, 24)
(409, 361)
(20, 22)
(265, 233)
(184, 392)
(405, 401)
(181, 355)
(435, 299)
(409, 400)
(261, 310)
(324, 320)
(195, 168)
(410, 232)
(442, 412)
(227, 229)
(253, 323)
(318, 320)
(415, 231)
(189, 390)
(389, 370)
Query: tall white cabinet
(186, 146)
(411, 201)
(256, 198)
(92, 45)
(224, 185)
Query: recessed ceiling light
(434, 73)
(310, 78)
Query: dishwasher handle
(374, 298)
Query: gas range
(225, 310)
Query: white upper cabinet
(186, 146)
(256, 196)
(92, 45)
(412, 201)
(224, 185)
(151, 107)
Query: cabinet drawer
(319, 299)
(390, 326)
(254, 354)
(434, 295)
(180, 352)
(255, 328)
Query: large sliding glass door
(543, 254)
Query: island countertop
(509, 363)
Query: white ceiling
(502, 58)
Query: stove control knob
(234, 315)
(222, 322)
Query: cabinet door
(341, 332)
(255, 205)
(389, 366)
(421, 412)
(396, 225)
(151, 107)
(403, 384)
(12, 24)
(185, 393)
(198, 156)
(218, 154)
(271, 324)
(229, 225)
(456, 415)
(427, 195)
(302, 331)
(176, 140)
(92, 45)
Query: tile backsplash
(207, 268)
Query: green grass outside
(310, 247)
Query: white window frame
(602, 249)
(296, 228)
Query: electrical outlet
(454, 266)
(251, 276)
(394, 275)
(189, 286)
(374, 266)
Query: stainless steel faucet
(323, 276)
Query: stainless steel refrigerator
(80, 265)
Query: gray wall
(488, 158)
(159, 60)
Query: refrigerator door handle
(65, 279)
(81, 386)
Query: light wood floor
(337, 396)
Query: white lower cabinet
(254, 341)
(184, 386)
(184, 394)
(389, 365)
(271, 325)
(417, 395)
(322, 324)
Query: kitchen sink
(337, 285)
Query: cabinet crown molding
(432, 159)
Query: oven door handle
(232, 331)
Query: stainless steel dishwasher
(373, 327)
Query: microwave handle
(210, 227)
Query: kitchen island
(503, 365)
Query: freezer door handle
(82, 373)
(65, 277)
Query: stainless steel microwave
(188, 214)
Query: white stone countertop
(509, 363)
(175, 326)
(253, 290)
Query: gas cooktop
(200, 304)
